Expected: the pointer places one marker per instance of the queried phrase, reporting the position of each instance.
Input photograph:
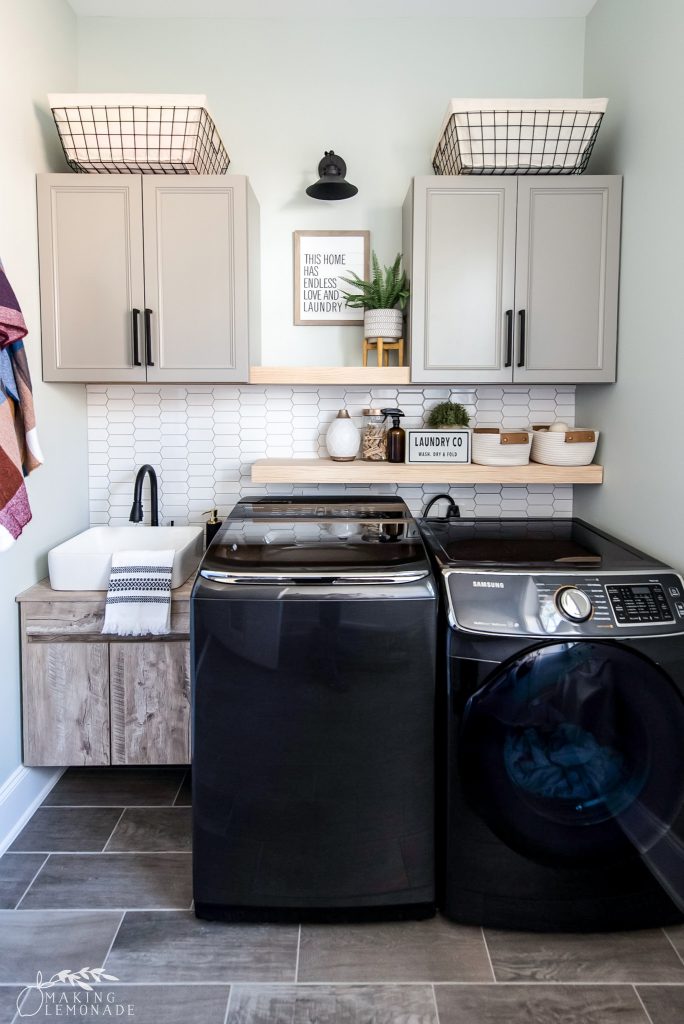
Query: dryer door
(574, 753)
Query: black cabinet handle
(521, 350)
(509, 337)
(148, 337)
(135, 313)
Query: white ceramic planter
(343, 438)
(383, 323)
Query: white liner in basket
(575, 447)
(495, 447)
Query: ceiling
(352, 8)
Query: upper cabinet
(513, 279)
(148, 278)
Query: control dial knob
(574, 604)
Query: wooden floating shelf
(317, 471)
(392, 375)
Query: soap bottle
(213, 525)
(396, 436)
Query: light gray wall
(282, 91)
(634, 56)
(38, 54)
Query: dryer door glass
(573, 753)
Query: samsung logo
(488, 583)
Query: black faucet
(453, 511)
(137, 509)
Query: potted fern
(383, 299)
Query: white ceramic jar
(343, 438)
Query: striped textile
(19, 448)
(139, 595)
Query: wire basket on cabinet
(518, 136)
(112, 133)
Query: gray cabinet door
(567, 267)
(150, 702)
(197, 287)
(91, 275)
(462, 264)
(65, 703)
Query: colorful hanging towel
(19, 449)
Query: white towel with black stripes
(139, 595)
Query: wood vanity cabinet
(148, 277)
(89, 699)
(513, 279)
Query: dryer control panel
(513, 603)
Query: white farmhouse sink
(83, 563)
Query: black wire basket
(524, 141)
(140, 138)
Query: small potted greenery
(383, 299)
(449, 416)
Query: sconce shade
(331, 182)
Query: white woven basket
(576, 447)
(495, 447)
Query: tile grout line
(114, 938)
(230, 996)
(111, 834)
(299, 946)
(641, 1004)
(182, 782)
(489, 957)
(389, 982)
(434, 1000)
(109, 807)
(677, 953)
(18, 903)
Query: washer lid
(342, 506)
(311, 550)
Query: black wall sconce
(331, 182)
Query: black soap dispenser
(396, 436)
(212, 526)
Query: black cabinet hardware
(135, 313)
(509, 337)
(521, 350)
(148, 337)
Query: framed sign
(438, 445)
(321, 259)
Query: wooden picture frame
(309, 257)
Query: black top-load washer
(313, 653)
(561, 727)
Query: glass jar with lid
(374, 436)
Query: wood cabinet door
(462, 269)
(150, 702)
(65, 703)
(196, 278)
(567, 268)
(91, 276)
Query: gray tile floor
(100, 878)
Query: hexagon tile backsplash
(202, 439)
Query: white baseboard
(20, 795)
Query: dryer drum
(572, 754)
